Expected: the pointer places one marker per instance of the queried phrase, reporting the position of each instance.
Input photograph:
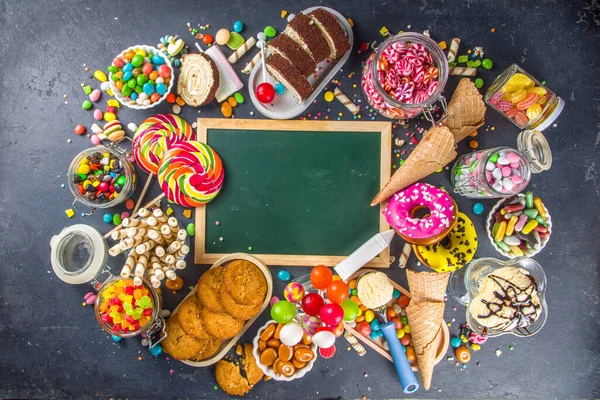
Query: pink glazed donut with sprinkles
(434, 226)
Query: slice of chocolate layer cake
(303, 31)
(291, 51)
(289, 76)
(333, 32)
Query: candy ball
(321, 277)
(324, 338)
(331, 314)
(279, 89)
(364, 328)
(455, 342)
(238, 26)
(291, 334)
(478, 208)
(312, 303)
(310, 324)
(463, 354)
(80, 129)
(265, 93)
(283, 311)
(337, 291)
(137, 60)
(164, 71)
(294, 292)
(222, 37)
(351, 310)
(156, 350)
(487, 63)
(108, 218)
(270, 31)
(284, 275)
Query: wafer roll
(166, 233)
(173, 247)
(168, 259)
(453, 49)
(159, 251)
(173, 224)
(129, 263)
(140, 266)
(145, 247)
(181, 235)
(128, 243)
(248, 68)
(157, 237)
(243, 49)
(155, 262)
(354, 343)
(154, 281)
(133, 232)
(137, 281)
(144, 212)
(182, 252)
(159, 215)
(345, 101)
(115, 250)
(151, 221)
(132, 223)
(170, 274)
(159, 274)
(464, 71)
(405, 254)
(180, 264)
(118, 235)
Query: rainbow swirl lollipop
(155, 136)
(190, 173)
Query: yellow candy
(101, 76)
(84, 161)
(540, 91)
(87, 182)
(529, 227)
(400, 333)
(83, 169)
(501, 231)
(141, 52)
(70, 212)
(369, 316)
(510, 227)
(406, 328)
(110, 92)
(516, 251)
(108, 116)
(328, 96)
(113, 103)
(520, 79)
(96, 184)
(534, 111)
(537, 202)
(515, 97)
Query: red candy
(364, 328)
(403, 301)
(164, 71)
(312, 303)
(328, 352)
(207, 38)
(80, 129)
(119, 62)
(265, 92)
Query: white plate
(228, 344)
(286, 106)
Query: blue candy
(455, 342)
(158, 60)
(108, 218)
(375, 324)
(396, 293)
(116, 338)
(133, 96)
(284, 275)
(161, 89)
(477, 208)
(379, 333)
(238, 26)
(279, 89)
(373, 335)
(148, 88)
(127, 75)
(156, 350)
(127, 67)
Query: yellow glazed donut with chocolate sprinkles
(454, 251)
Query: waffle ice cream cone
(432, 153)
(427, 286)
(466, 110)
(425, 321)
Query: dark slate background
(52, 347)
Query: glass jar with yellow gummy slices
(513, 86)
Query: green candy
(191, 229)
(502, 245)
(152, 82)
(113, 77)
(132, 83)
(487, 63)
(137, 60)
(452, 64)
(476, 63)
(471, 64)
(126, 91)
(86, 105)
(531, 213)
(235, 40)
(249, 248)
(463, 59)
(113, 69)
(478, 83)
(117, 219)
(121, 180)
(494, 157)
(141, 79)
(239, 98)
(529, 199)
(495, 229)
(138, 89)
(87, 89)
(541, 220)
(404, 320)
(270, 31)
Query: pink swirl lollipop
(155, 136)
(392, 78)
(404, 67)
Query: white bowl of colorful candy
(519, 225)
(141, 77)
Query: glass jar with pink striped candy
(501, 171)
(405, 76)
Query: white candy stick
(453, 49)
(243, 49)
(180, 264)
(137, 281)
(168, 259)
(140, 267)
(173, 224)
(115, 250)
(182, 252)
(166, 233)
(404, 256)
(145, 247)
(173, 247)
(154, 281)
(345, 101)
(248, 68)
(464, 71)
(159, 251)
(143, 212)
(170, 274)
(118, 235)
(159, 274)
(133, 232)
(157, 237)
(151, 221)
(181, 235)
(132, 223)
(159, 215)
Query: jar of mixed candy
(405, 77)
(124, 309)
(101, 177)
(523, 100)
(501, 171)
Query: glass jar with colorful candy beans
(125, 309)
(405, 77)
(501, 171)
(523, 100)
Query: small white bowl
(529, 252)
(269, 370)
(127, 102)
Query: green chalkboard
(299, 193)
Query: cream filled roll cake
(198, 80)
(332, 31)
(291, 51)
(281, 69)
(305, 32)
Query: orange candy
(321, 277)
(153, 75)
(119, 85)
(337, 291)
(171, 98)
(155, 97)
(180, 101)
(352, 284)
(530, 100)
(129, 55)
(390, 313)
(463, 354)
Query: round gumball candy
(321, 277)
(283, 311)
(455, 342)
(294, 292)
(291, 334)
(164, 71)
(403, 301)
(331, 314)
(324, 338)
(310, 324)
(351, 310)
(238, 26)
(337, 291)
(312, 303)
(364, 328)
(265, 92)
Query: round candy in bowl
(141, 77)
(279, 361)
(519, 225)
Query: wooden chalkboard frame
(384, 128)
